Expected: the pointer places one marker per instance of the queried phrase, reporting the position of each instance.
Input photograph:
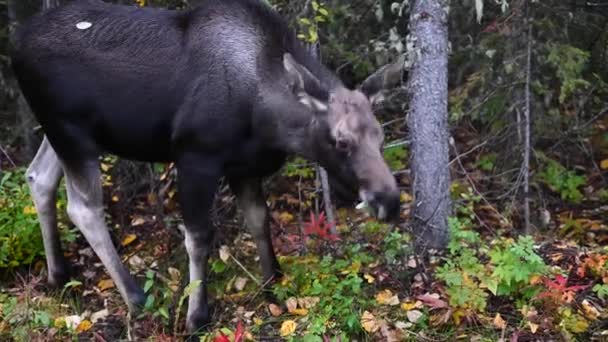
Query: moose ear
(302, 81)
(386, 77)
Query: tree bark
(24, 116)
(427, 120)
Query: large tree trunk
(24, 116)
(427, 120)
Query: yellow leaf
(59, 323)
(285, 217)
(84, 326)
(257, 321)
(533, 327)
(499, 322)
(128, 239)
(370, 279)
(115, 198)
(580, 326)
(105, 284)
(288, 327)
(29, 210)
(590, 310)
(369, 322)
(408, 306)
(405, 197)
(386, 297)
(604, 164)
(105, 167)
(354, 268)
(300, 312)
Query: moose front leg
(197, 182)
(252, 201)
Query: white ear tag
(83, 25)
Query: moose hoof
(58, 279)
(137, 301)
(198, 320)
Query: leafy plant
(514, 266)
(335, 283)
(298, 167)
(570, 63)
(309, 28)
(20, 235)
(563, 181)
(601, 290)
(395, 157)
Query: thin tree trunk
(527, 122)
(428, 122)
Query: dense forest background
(527, 257)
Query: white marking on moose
(83, 25)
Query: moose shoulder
(223, 90)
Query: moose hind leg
(43, 177)
(85, 208)
(251, 200)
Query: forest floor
(364, 283)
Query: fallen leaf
(308, 302)
(84, 326)
(101, 314)
(407, 306)
(590, 311)
(224, 253)
(239, 283)
(288, 327)
(533, 327)
(138, 221)
(370, 279)
(285, 217)
(291, 304)
(386, 297)
(499, 322)
(414, 315)
(275, 310)
(72, 322)
(403, 325)
(604, 164)
(369, 322)
(388, 334)
(115, 198)
(59, 322)
(300, 312)
(174, 273)
(432, 301)
(128, 239)
(405, 197)
(105, 284)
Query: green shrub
(562, 181)
(20, 236)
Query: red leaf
(240, 332)
(221, 338)
(319, 227)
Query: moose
(221, 90)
